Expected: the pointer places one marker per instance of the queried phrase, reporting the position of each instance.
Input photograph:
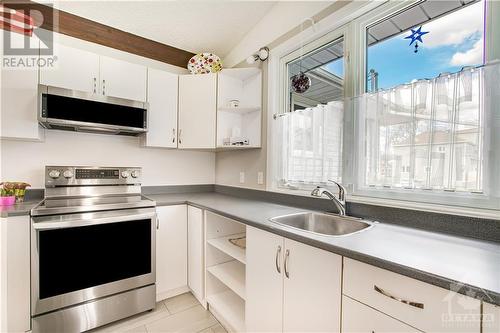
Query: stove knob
(68, 173)
(54, 174)
(135, 174)
(125, 174)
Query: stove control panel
(79, 176)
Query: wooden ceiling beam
(79, 27)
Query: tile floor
(182, 313)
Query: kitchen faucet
(338, 202)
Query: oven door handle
(89, 220)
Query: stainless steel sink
(324, 224)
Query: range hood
(71, 110)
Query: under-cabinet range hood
(72, 110)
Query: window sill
(410, 205)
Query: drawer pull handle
(385, 293)
(278, 255)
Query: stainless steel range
(92, 249)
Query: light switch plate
(260, 178)
(242, 177)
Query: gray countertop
(18, 209)
(464, 265)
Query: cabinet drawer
(359, 318)
(421, 305)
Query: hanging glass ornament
(300, 82)
(416, 36)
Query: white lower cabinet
(291, 287)
(15, 274)
(196, 253)
(171, 251)
(491, 318)
(418, 304)
(359, 318)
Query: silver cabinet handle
(95, 85)
(180, 133)
(157, 223)
(287, 255)
(104, 87)
(173, 135)
(386, 294)
(278, 255)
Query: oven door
(80, 257)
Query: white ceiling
(214, 26)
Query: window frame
(351, 21)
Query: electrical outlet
(260, 178)
(242, 177)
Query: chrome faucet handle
(342, 191)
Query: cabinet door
(312, 289)
(19, 98)
(197, 111)
(195, 252)
(15, 288)
(491, 318)
(122, 79)
(264, 282)
(359, 318)
(171, 251)
(162, 110)
(74, 69)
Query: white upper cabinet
(197, 111)
(162, 110)
(491, 318)
(74, 69)
(122, 79)
(239, 108)
(19, 98)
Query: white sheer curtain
(438, 135)
(312, 145)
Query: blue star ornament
(416, 35)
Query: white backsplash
(25, 161)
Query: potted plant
(15, 189)
(7, 197)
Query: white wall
(25, 161)
(283, 17)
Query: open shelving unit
(225, 271)
(245, 120)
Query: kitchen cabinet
(491, 318)
(19, 98)
(291, 286)
(196, 253)
(197, 111)
(162, 111)
(15, 285)
(122, 79)
(241, 123)
(74, 69)
(171, 251)
(359, 318)
(418, 304)
(84, 71)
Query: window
(453, 37)
(311, 145)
